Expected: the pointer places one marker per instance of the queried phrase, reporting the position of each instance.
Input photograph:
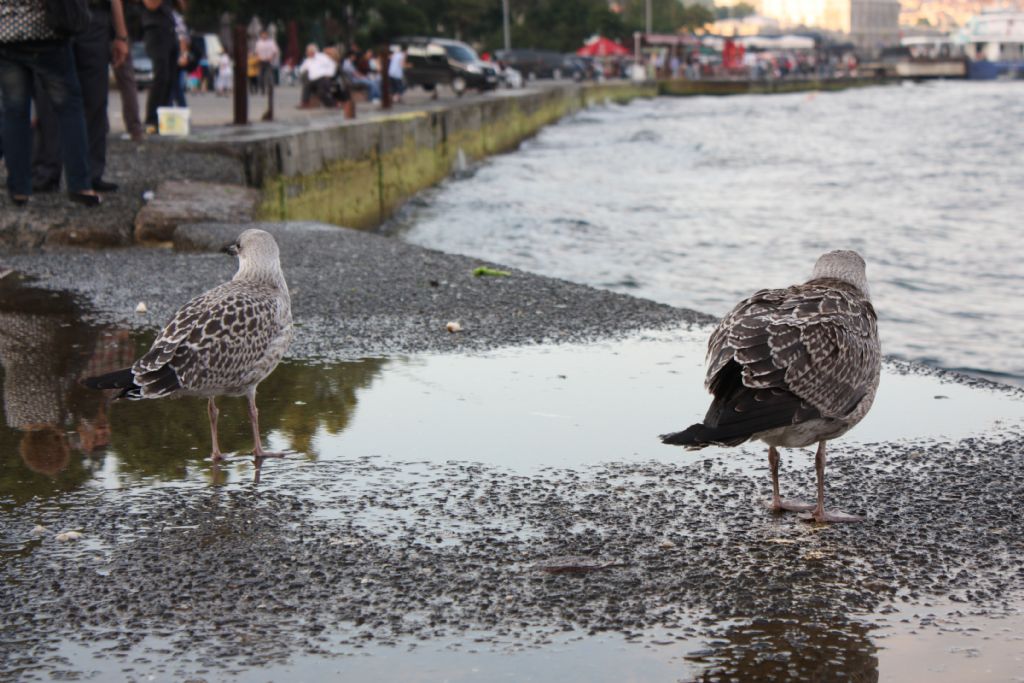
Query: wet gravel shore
(369, 552)
(354, 294)
(186, 580)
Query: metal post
(508, 32)
(241, 76)
(647, 17)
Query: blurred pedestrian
(267, 53)
(162, 48)
(124, 75)
(102, 44)
(30, 48)
(396, 73)
(253, 73)
(182, 65)
(316, 73)
(225, 74)
(352, 75)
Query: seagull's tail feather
(699, 435)
(119, 379)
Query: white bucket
(173, 120)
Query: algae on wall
(396, 157)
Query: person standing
(225, 75)
(29, 49)
(162, 48)
(267, 53)
(124, 75)
(102, 43)
(181, 63)
(396, 74)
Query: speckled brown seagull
(792, 367)
(221, 343)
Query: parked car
(431, 62)
(540, 63)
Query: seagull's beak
(231, 249)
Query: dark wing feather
(818, 341)
(210, 342)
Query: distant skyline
(834, 15)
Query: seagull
(791, 367)
(223, 342)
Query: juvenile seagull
(221, 343)
(792, 367)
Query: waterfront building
(869, 24)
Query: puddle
(422, 492)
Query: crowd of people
(61, 72)
(330, 78)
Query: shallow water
(378, 448)
(698, 202)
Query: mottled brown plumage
(792, 367)
(223, 342)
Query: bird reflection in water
(791, 649)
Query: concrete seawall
(358, 173)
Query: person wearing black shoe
(103, 43)
(31, 48)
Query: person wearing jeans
(104, 42)
(30, 49)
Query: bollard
(241, 93)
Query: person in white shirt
(396, 74)
(267, 53)
(316, 73)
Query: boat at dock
(993, 42)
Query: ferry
(993, 42)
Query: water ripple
(744, 192)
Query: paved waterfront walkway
(208, 110)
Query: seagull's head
(844, 265)
(257, 252)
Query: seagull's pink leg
(254, 419)
(211, 408)
(777, 504)
(820, 514)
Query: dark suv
(439, 61)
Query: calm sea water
(699, 202)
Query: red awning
(601, 47)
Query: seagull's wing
(817, 341)
(211, 342)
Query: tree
(667, 16)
